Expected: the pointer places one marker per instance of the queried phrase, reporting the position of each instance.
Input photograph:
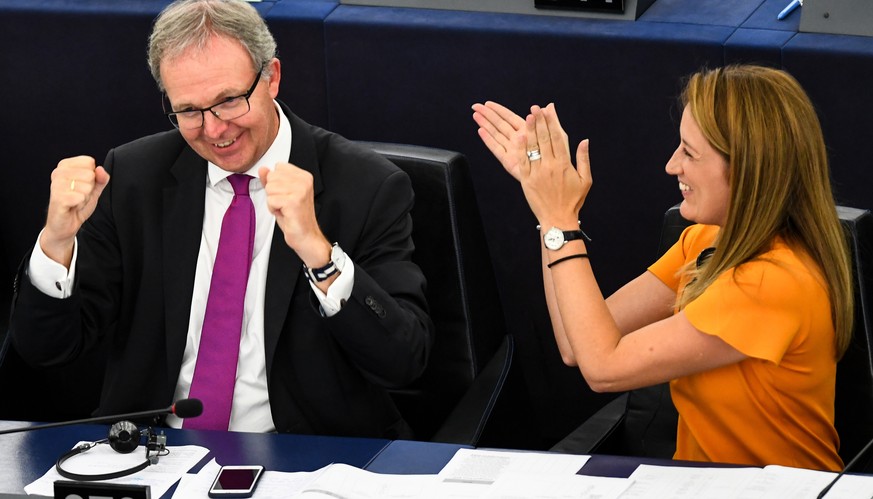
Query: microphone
(185, 408)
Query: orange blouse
(777, 406)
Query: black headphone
(124, 437)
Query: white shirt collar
(279, 151)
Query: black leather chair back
(650, 418)
(451, 249)
(854, 399)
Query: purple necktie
(215, 372)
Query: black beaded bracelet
(564, 259)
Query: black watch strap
(571, 235)
(322, 273)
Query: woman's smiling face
(703, 175)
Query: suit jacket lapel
(183, 207)
(285, 266)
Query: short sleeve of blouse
(692, 241)
(757, 309)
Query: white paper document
(344, 481)
(334, 480)
(783, 481)
(685, 482)
(743, 483)
(851, 487)
(557, 487)
(477, 466)
(103, 459)
(273, 484)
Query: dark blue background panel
(837, 72)
(298, 26)
(756, 46)
(75, 81)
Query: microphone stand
(103, 419)
(854, 461)
(186, 408)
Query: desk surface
(27, 456)
(403, 457)
(615, 82)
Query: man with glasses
(245, 258)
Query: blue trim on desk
(407, 457)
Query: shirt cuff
(49, 276)
(339, 290)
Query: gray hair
(190, 23)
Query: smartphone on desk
(236, 481)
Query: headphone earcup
(124, 437)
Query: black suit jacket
(135, 277)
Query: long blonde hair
(764, 124)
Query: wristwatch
(337, 259)
(555, 238)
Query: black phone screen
(233, 480)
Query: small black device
(124, 437)
(88, 490)
(613, 6)
(236, 481)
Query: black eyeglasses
(226, 110)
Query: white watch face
(338, 256)
(554, 238)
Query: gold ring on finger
(73, 185)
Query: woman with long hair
(748, 313)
